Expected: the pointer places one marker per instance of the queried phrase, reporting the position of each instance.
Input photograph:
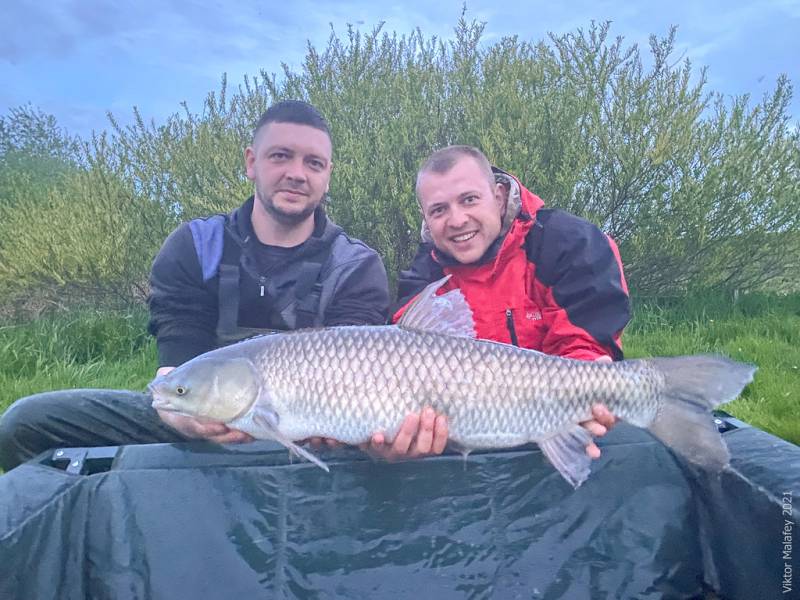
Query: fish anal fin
(449, 313)
(566, 451)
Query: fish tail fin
(694, 385)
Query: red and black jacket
(553, 283)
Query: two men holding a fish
(533, 277)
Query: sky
(80, 59)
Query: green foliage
(699, 192)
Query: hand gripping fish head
(225, 386)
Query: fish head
(214, 388)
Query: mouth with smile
(463, 237)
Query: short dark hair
(293, 111)
(445, 159)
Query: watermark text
(786, 541)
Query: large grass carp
(350, 382)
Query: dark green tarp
(203, 521)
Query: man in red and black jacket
(534, 277)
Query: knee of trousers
(23, 418)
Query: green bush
(699, 192)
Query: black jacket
(185, 283)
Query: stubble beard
(285, 218)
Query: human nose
(295, 170)
(457, 218)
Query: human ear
(249, 162)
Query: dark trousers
(79, 418)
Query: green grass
(82, 349)
(759, 329)
(90, 349)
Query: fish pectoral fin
(302, 453)
(268, 421)
(449, 313)
(566, 450)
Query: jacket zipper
(511, 329)
(263, 281)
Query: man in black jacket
(275, 263)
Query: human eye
(316, 164)
(278, 155)
(471, 199)
(436, 211)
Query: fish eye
(180, 390)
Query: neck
(272, 232)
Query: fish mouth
(161, 403)
(156, 400)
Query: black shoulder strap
(228, 294)
(308, 294)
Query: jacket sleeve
(362, 295)
(585, 297)
(183, 310)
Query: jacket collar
(325, 230)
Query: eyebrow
(292, 151)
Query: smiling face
(462, 209)
(290, 165)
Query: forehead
(303, 139)
(465, 176)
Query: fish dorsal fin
(448, 314)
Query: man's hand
(424, 434)
(319, 442)
(201, 429)
(601, 422)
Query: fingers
(603, 416)
(598, 426)
(593, 451)
(419, 435)
(318, 442)
(440, 434)
(424, 440)
(405, 435)
(191, 427)
(208, 430)
(595, 428)
(232, 436)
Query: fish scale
(356, 379)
